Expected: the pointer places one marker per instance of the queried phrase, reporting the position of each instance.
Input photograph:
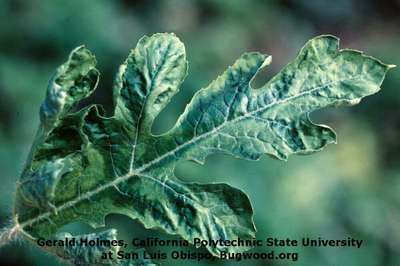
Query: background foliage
(349, 189)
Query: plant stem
(8, 234)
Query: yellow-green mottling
(85, 165)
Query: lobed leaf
(84, 165)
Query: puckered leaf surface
(85, 165)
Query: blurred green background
(350, 189)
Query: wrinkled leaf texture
(85, 165)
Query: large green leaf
(85, 165)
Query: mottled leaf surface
(83, 255)
(85, 165)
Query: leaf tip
(267, 61)
(82, 53)
(327, 36)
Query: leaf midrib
(155, 76)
